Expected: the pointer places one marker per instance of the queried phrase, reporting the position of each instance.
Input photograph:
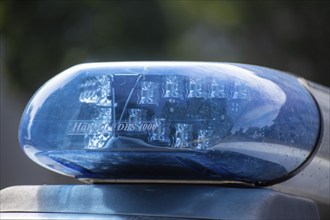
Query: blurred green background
(41, 38)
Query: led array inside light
(178, 96)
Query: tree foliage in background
(42, 38)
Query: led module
(171, 121)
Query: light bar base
(149, 201)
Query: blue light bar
(171, 121)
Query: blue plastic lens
(171, 121)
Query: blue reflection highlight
(171, 121)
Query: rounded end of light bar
(175, 121)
